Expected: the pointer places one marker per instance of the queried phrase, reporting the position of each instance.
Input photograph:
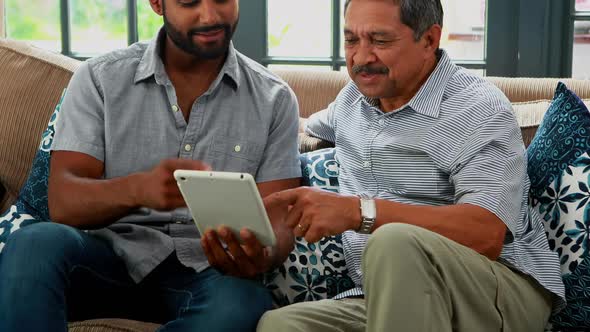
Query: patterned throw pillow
(31, 205)
(313, 271)
(320, 169)
(559, 169)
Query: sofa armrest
(308, 143)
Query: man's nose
(208, 13)
(364, 55)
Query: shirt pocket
(235, 154)
(409, 174)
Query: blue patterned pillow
(31, 205)
(313, 271)
(559, 169)
(320, 169)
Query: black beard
(186, 43)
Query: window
(98, 25)
(80, 28)
(527, 38)
(2, 20)
(309, 32)
(464, 29)
(34, 21)
(292, 38)
(581, 42)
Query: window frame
(253, 22)
(523, 38)
(575, 16)
(66, 28)
(2, 19)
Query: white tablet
(225, 198)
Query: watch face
(368, 210)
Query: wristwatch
(368, 214)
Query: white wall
(2, 24)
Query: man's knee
(243, 300)
(41, 242)
(276, 320)
(399, 247)
(252, 305)
(270, 321)
(396, 239)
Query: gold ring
(300, 227)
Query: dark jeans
(51, 274)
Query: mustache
(369, 69)
(209, 28)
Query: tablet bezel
(225, 198)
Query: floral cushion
(31, 205)
(313, 271)
(559, 168)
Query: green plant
(274, 40)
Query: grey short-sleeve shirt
(121, 108)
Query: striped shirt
(455, 142)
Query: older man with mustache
(437, 231)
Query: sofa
(32, 81)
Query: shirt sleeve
(489, 169)
(281, 154)
(80, 127)
(322, 125)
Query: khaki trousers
(417, 280)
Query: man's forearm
(285, 245)
(469, 225)
(91, 203)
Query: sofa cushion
(313, 271)
(559, 168)
(315, 90)
(31, 83)
(31, 205)
(523, 89)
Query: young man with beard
(122, 243)
(436, 227)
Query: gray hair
(419, 15)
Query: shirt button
(237, 148)
(188, 148)
(367, 164)
(174, 108)
(381, 122)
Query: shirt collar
(429, 97)
(151, 64)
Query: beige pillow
(31, 82)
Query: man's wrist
(356, 216)
(368, 210)
(134, 182)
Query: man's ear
(157, 6)
(431, 38)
